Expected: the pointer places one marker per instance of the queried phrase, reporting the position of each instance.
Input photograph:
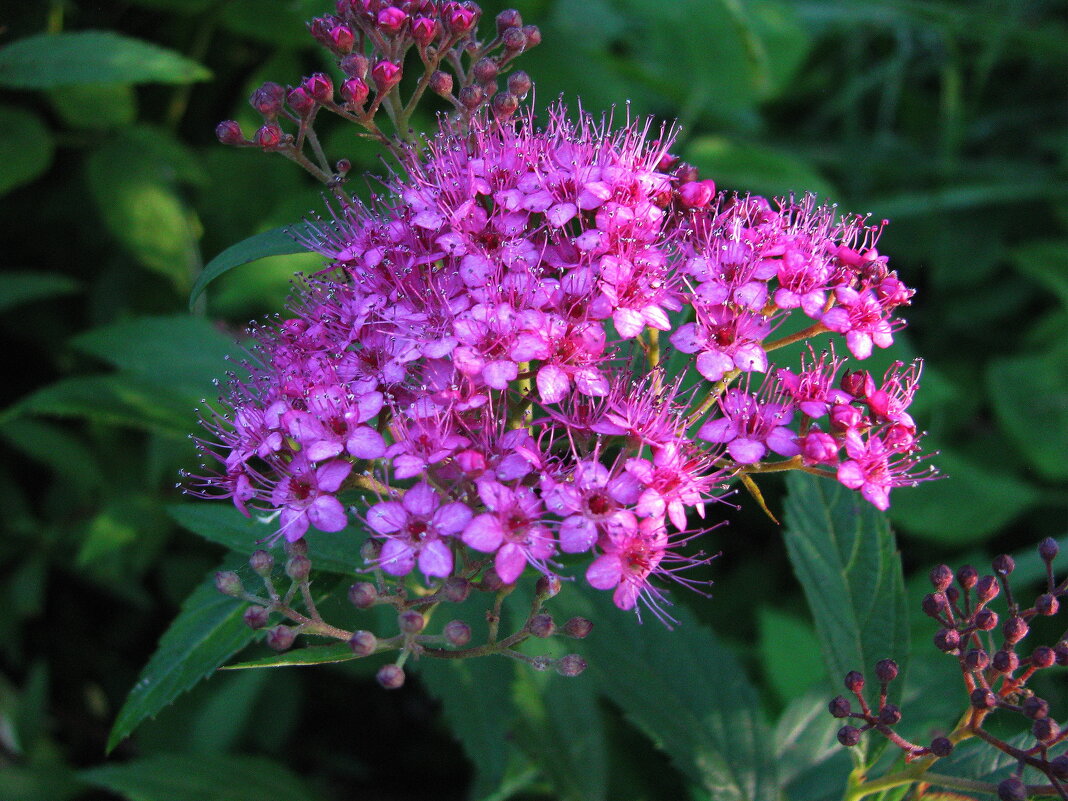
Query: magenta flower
(724, 340)
(511, 528)
(749, 427)
(591, 500)
(417, 529)
(631, 555)
(875, 469)
(305, 497)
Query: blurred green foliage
(948, 118)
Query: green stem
(805, 333)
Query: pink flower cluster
(470, 355)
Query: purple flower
(749, 427)
(304, 494)
(417, 529)
(512, 528)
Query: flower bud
(363, 643)
(1005, 662)
(363, 595)
(547, 586)
(1003, 564)
(1012, 789)
(460, 20)
(570, 665)
(542, 626)
(229, 583)
(268, 99)
(385, 75)
(424, 30)
(987, 589)
(854, 681)
(297, 547)
(457, 633)
(391, 20)
(504, 105)
(952, 595)
(886, 670)
(858, 383)
(491, 581)
(342, 166)
(986, 619)
(839, 707)
(941, 577)
(355, 65)
(1047, 549)
(268, 137)
(1059, 767)
(319, 87)
(696, 194)
(280, 637)
(1043, 657)
(1014, 629)
(519, 84)
(471, 97)
(941, 746)
(578, 628)
(967, 576)
(686, 173)
(934, 604)
(485, 69)
(509, 18)
(889, 715)
(1035, 707)
(1047, 604)
(982, 698)
(341, 39)
(229, 133)
(515, 41)
(441, 83)
(390, 677)
(354, 92)
(410, 621)
(533, 35)
(1061, 652)
(947, 640)
(849, 736)
(845, 417)
(261, 563)
(256, 617)
(976, 659)
(298, 568)
(300, 101)
(1045, 730)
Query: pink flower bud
(229, 133)
(391, 20)
(300, 101)
(509, 18)
(354, 65)
(460, 20)
(819, 448)
(533, 36)
(342, 39)
(519, 84)
(858, 383)
(504, 105)
(485, 70)
(441, 83)
(696, 194)
(354, 92)
(845, 417)
(386, 75)
(269, 136)
(319, 87)
(471, 97)
(514, 40)
(424, 30)
(268, 99)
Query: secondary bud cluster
(996, 665)
(372, 44)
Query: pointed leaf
(312, 655)
(209, 630)
(26, 147)
(62, 59)
(21, 287)
(276, 242)
(845, 557)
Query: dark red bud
(342, 39)
(300, 101)
(1043, 657)
(320, 87)
(505, 105)
(1014, 629)
(363, 643)
(229, 583)
(1005, 662)
(441, 84)
(298, 568)
(1045, 730)
(967, 576)
(854, 681)
(947, 640)
(1047, 549)
(986, 619)
(491, 581)
(941, 746)
(280, 638)
(363, 595)
(1047, 604)
(342, 166)
(229, 133)
(987, 589)
(456, 589)
(424, 30)
(934, 604)
(297, 547)
(889, 715)
(354, 92)
(509, 18)
(471, 97)
(390, 677)
(410, 621)
(982, 698)
(268, 99)
(976, 659)
(839, 707)
(886, 670)
(685, 173)
(578, 628)
(386, 75)
(542, 626)
(515, 41)
(460, 20)
(1003, 564)
(858, 383)
(1012, 789)
(849, 736)
(457, 633)
(256, 617)
(941, 577)
(485, 69)
(547, 586)
(355, 65)
(519, 84)
(570, 665)
(1059, 766)
(1035, 707)
(533, 35)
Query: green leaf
(845, 558)
(311, 655)
(805, 735)
(63, 452)
(92, 57)
(1030, 395)
(180, 352)
(789, 652)
(968, 503)
(686, 691)
(220, 522)
(483, 728)
(95, 107)
(19, 287)
(195, 777)
(755, 168)
(562, 731)
(276, 242)
(26, 148)
(146, 215)
(209, 630)
(1047, 263)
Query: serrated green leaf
(561, 730)
(845, 557)
(208, 630)
(196, 777)
(92, 57)
(26, 148)
(63, 452)
(276, 242)
(123, 400)
(789, 652)
(686, 691)
(969, 503)
(311, 655)
(17, 288)
(805, 735)
(1030, 395)
(756, 168)
(182, 352)
(337, 552)
(95, 107)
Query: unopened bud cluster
(996, 664)
(372, 43)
